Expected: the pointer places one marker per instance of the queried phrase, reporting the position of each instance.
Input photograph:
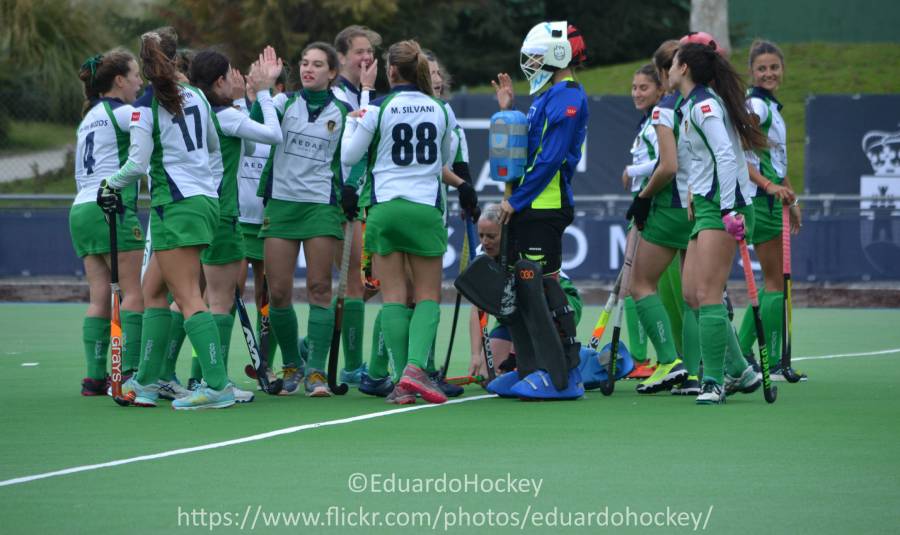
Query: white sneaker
(172, 390)
(748, 382)
(711, 394)
(242, 396)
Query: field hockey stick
(468, 253)
(148, 252)
(115, 318)
(464, 380)
(265, 329)
(257, 359)
(631, 244)
(786, 321)
(339, 389)
(769, 390)
(603, 320)
(472, 234)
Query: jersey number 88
(425, 150)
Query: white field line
(316, 425)
(233, 442)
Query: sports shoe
(401, 396)
(502, 384)
(242, 396)
(353, 377)
(205, 397)
(139, 395)
(776, 374)
(641, 371)
(94, 387)
(664, 378)
(376, 387)
(125, 377)
(451, 391)
(293, 377)
(316, 384)
(751, 359)
(415, 380)
(689, 387)
(748, 382)
(711, 394)
(194, 384)
(172, 390)
(538, 385)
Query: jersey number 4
(198, 128)
(425, 149)
(88, 161)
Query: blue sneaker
(593, 365)
(539, 386)
(205, 397)
(451, 391)
(140, 395)
(353, 377)
(502, 384)
(375, 387)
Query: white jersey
(644, 155)
(718, 168)
(667, 113)
(410, 135)
(771, 161)
(350, 94)
(253, 161)
(179, 165)
(102, 146)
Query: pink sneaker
(401, 396)
(416, 380)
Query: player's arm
(358, 133)
(667, 162)
(139, 151)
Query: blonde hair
(411, 64)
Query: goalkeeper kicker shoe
(664, 378)
(538, 385)
(502, 385)
(205, 397)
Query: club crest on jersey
(331, 125)
(706, 108)
(136, 232)
(571, 111)
(135, 116)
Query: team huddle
(243, 173)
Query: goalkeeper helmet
(546, 49)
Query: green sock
(747, 331)
(669, 290)
(422, 331)
(320, 327)
(204, 336)
(95, 335)
(352, 332)
(132, 325)
(154, 344)
(176, 340)
(772, 310)
(395, 321)
(637, 340)
(656, 324)
(225, 324)
(284, 329)
(735, 363)
(691, 336)
(429, 362)
(714, 332)
(378, 360)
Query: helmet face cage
(546, 49)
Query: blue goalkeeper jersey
(557, 126)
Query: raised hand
(368, 74)
(503, 87)
(237, 84)
(266, 69)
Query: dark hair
(207, 67)
(411, 64)
(662, 58)
(709, 68)
(158, 66)
(649, 71)
(184, 57)
(761, 46)
(344, 39)
(445, 76)
(334, 64)
(98, 73)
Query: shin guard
(564, 317)
(531, 305)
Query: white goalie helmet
(546, 49)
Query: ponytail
(98, 73)
(411, 64)
(159, 68)
(709, 68)
(423, 74)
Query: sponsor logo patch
(135, 116)
(655, 114)
(571, 111)
(706, 108)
